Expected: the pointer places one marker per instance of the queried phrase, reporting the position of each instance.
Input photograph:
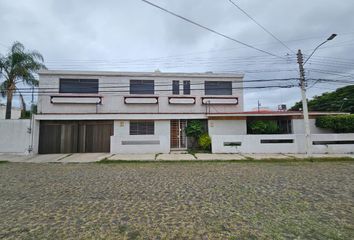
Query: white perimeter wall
(122, 142)
(235, 131)
(227, 127)
(14, 136)
(252, 143)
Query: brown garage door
(75, 136)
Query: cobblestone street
(209, 200)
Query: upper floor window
(218, 87)
(142, 87)
(144, 127)
(78, 85)
(186, 87)
(175, 87)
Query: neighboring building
(132, 112)
(15, 112)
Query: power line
(209, 29)
(47, 93)
(120, 85)
(261, 26)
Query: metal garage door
(75, 136)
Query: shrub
(338, 123)
(263, 127)
(194, 129)
(205, 142)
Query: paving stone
(260, 156)
(194, 200)
(302, 156)
(175, 157)
(133, 157)
(46, 158)
(14, 157)
(85, 157)
(218, 156)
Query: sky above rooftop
(118, 35)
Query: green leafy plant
(338, 123)
(263, 127)
(194, 129)
(205, 141)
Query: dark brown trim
(181, 97)
(75, 96)
(157, 99)
(220, 103)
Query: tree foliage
(18, 66)
(340, 100)
(194, 129)
(338, 123)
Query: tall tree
(18, 66)
(340, 100)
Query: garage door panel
(75, 136)
(49, 138)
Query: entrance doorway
(178, 135)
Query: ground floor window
(144, 127)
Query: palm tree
(18, 66)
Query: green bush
(194, 129)
(338, 123)
(205, 142)
(263, 127)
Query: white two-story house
(137, 112)
(128, 112)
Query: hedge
(338, 123)
(263, 127)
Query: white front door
(178, 135)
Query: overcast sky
(130, 35)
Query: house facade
(135, 112)
(128, 112)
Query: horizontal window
(78, 85)
(277, 141)
(147, 142)
(142, 128)
(232, 144)
(333, 142)
(142, 87)
(218, 87)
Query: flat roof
(141, 74)
(272, 113)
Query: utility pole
(305, 112)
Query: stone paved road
(177, 201)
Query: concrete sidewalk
(96, 157)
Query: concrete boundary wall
(15, 136)
(282, 143)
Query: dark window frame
(78, 85)
(146, 87)
(175, 87)
(141, 127)
(216, 88)
(186, 87)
